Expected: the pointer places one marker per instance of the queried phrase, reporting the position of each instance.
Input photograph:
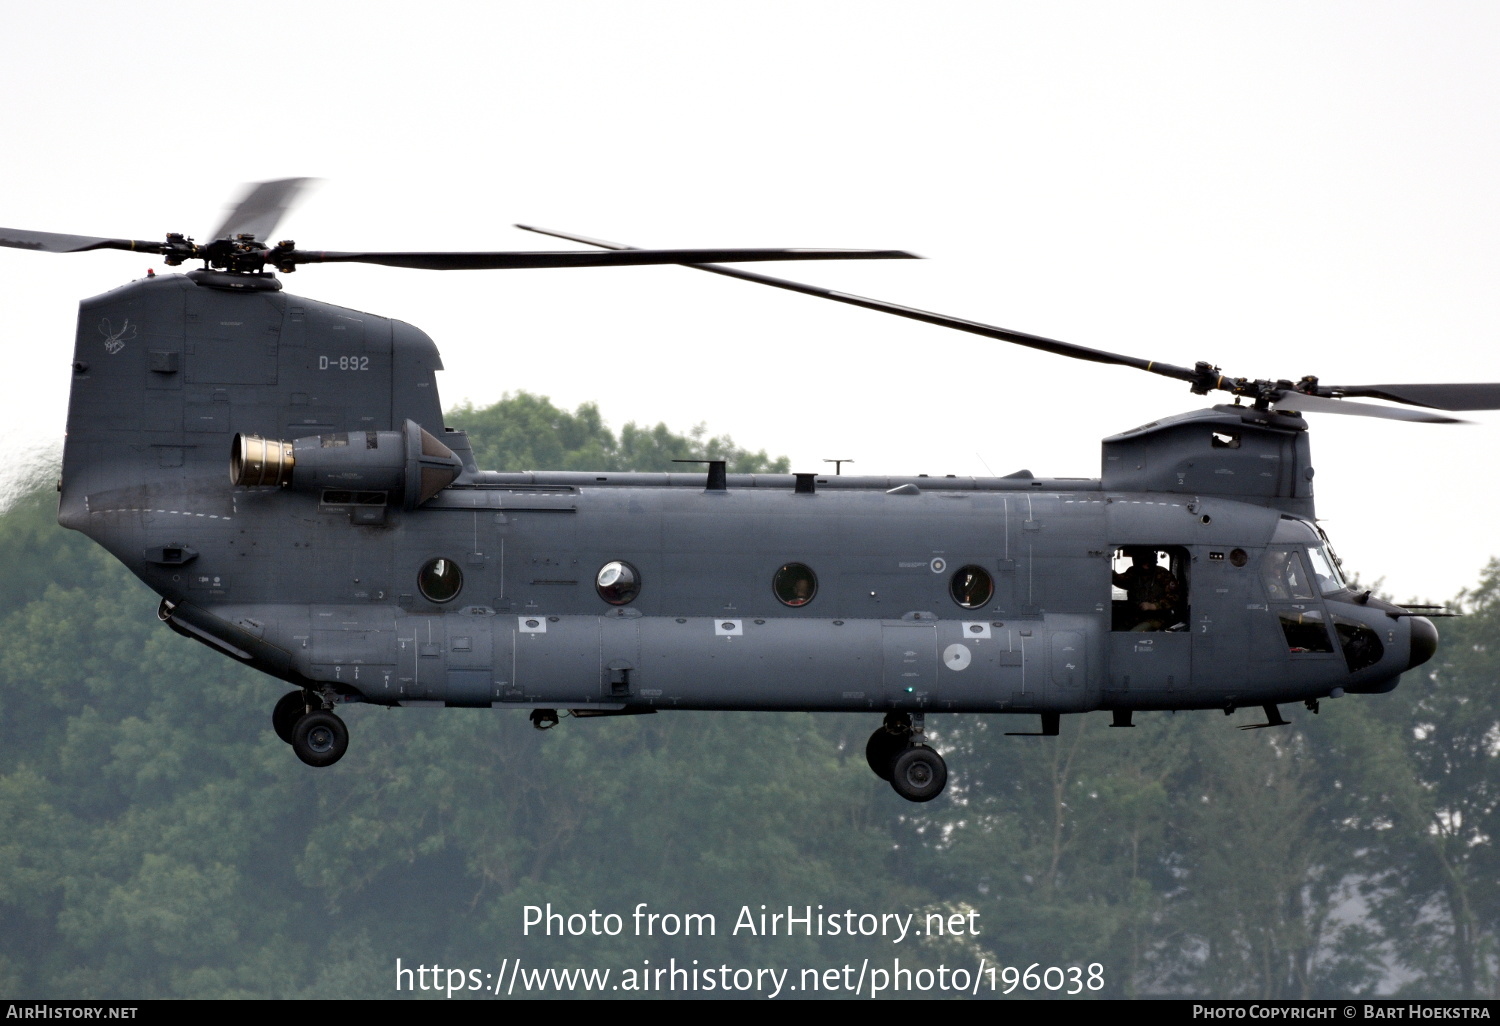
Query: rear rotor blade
(261, 209)
(576, 258)
(52, 242)
(1203, 377)
(1047, 345)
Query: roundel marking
(956, 657)
(938, 565)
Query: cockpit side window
(1305, 630)
(1286, 575)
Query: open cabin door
(1150, 638)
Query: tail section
(168, 370)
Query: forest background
(157, 840)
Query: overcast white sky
(1280, 188)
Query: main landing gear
(896, 752)
(317, 735)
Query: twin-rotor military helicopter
(277, 469)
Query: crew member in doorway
(1151, 592)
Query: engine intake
(410, 463)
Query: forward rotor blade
(260, 210)
(52, 242)
(1046, 345)
(1303, 403)
(576, 258)
(1475, 396)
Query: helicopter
(278, 471)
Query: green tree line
(157, 840)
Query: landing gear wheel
(320, 739)
(882, 748)
(919, 774)
(289, 709)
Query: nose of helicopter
(1424, 641)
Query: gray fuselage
(323, 586)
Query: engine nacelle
(409, 464)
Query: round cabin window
(971, 586)
(617, 583)
(440, 580)
(795, 584)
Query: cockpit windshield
(1325, 570)
(1293, 533)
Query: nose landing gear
(896, 753)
